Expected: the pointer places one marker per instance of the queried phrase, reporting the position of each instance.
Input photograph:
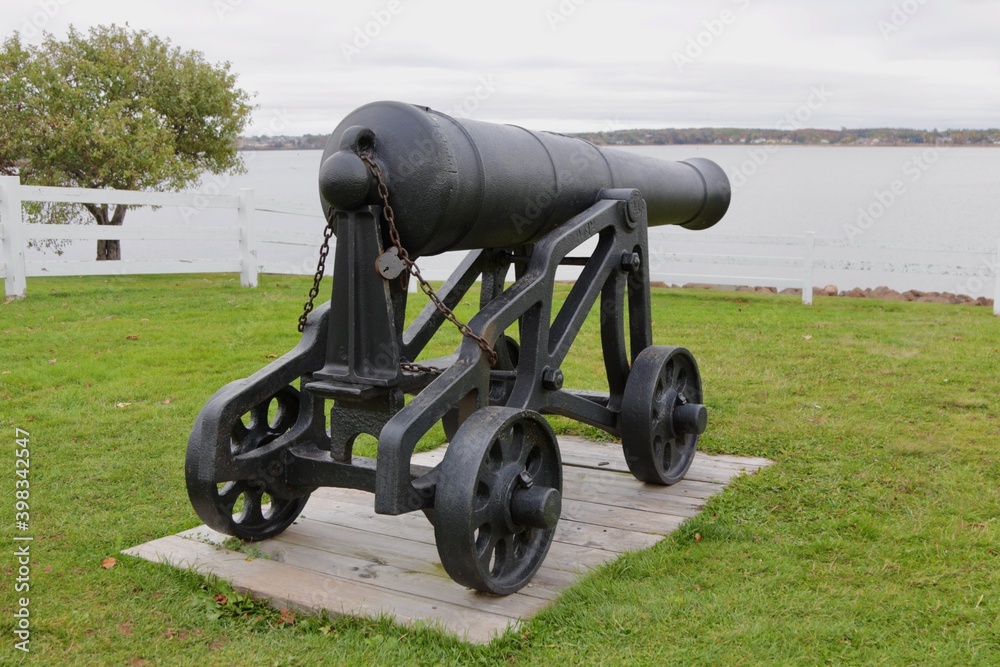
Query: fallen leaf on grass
(221, 598)
(807, 337)
(166, 401)
(125, 628)
(122, 405)
(697, 538)
(287, 617)
(270, 356)
(109, 563)
(132, 337)
(52, 361)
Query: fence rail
(800, 251)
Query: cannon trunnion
(522, 203)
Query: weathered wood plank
(354, 508)
(409, 575)
(610, 457)
(292, 587)
(615, 517)
(687, 491)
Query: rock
(983, 301)
(880, 292)
(934, 297)
(658, 283)
(829, 290)
(911, 295)
(892, 295)
(792, 291)
(700, 286)
(855, 293)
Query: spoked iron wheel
(249, 509)
(662, 415)
(498, 499)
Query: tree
(116, 108)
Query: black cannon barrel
(459, 184)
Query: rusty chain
(324, 250)
(411, 268)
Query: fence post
(996, 274)
(15, 281)
(808, 255)
(248, 239)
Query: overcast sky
(578, 65)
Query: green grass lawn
(874, 539)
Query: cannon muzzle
(459, 184)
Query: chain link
(324, 250)
(413, 270)
(410, 367)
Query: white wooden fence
(798, 254)
(16, 233)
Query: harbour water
(916, 217)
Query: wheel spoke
(486, 543)
(510, 442)
(503, 556)
(230, 493)
(253, 514)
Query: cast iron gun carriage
(398, 182)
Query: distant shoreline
(713, 136)
(767, 143)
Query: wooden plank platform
(343, 558)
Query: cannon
(398, 182)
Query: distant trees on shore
(708, 135)
(844, 136)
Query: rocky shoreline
(881, 292)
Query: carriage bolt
(552, 379)
(274, 468)
(630, 262)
